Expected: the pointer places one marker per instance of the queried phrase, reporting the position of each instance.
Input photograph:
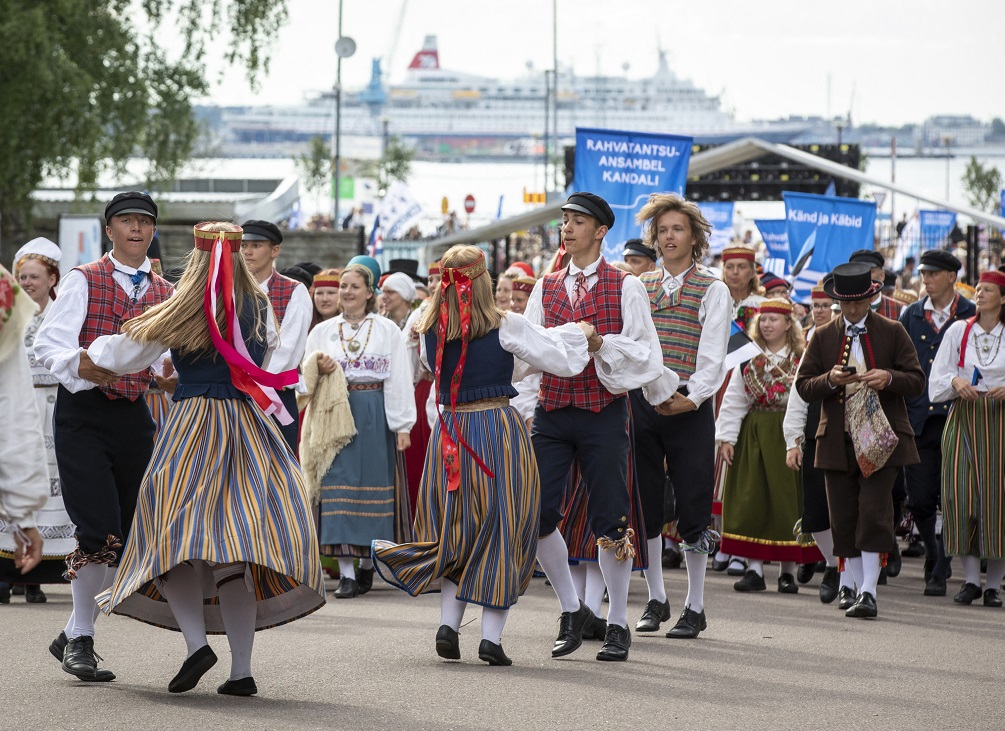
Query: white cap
(400, 283)
(40, 248)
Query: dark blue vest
(488, 369)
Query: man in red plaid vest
(103, 436)
(584, 418)
(291, 302)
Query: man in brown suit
(860, 349)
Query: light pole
(344, 48)
(947, 140)
(385, 123)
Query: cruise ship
(450, 114)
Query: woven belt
(377, 386)
(496, 402)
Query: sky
(886, 61)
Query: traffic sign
(469, 204)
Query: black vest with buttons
(926, 341)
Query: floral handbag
(871, 434)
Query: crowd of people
(198, 454)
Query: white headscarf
(402, 284)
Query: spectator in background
(639, 257)
(908, 278)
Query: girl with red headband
(325, 295)
(969, 369)
(223, 511)
(479, 502)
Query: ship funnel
(428, 57)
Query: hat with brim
(131, 201)
(635, 247)
(262, 231)
(852, 281)
(592, 205)
(869, 256)
(938, 260)
(408, 267)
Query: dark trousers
(683, 448)
(861, 508)
(599, 442)
(924, 488)
(816, 517)
(291, 432)
(102, 449)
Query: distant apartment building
(959, 130)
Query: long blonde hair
(485, 314)
(180, 322)
(793, 337)
(660, 203)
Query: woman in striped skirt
(222, 540)
(479, 501)
(970, 370)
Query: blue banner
(935, 228)
(776, 240)
(720, 215)
(624, 168)
(823, 231)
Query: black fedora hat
(406, 266)
(851, 281)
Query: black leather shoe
(79, 659)
(846, 597)
(493, 654)
(58, 646)
(992, 598)
(17, 590)
(829, 584)
(448, 643)
(33, 594)
(718, 565)
(616, 644)
(736, 567)
(805, 572)
(4, 592)
(929, 568)
(882, 577)
(787, 584)
(863, 608)
(241, 686)
(192, 670)
(655, 614)
(347, 589)
(689, 625)
(750, 582)
(915, 549)
(935, 586)
(597, 630)
(894, 562)
(967, 594)
(671, 559)
(364, 577)
(570, 630)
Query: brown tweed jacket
(891, 349)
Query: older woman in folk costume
(223, 511)
(763, 498)
(969, 370)
(363, 494)
(476, 528)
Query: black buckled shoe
(448, 643)
(935, 586)
(616, 644)
(719, 564)
(80, 659)
(364, 577)
(992, 598)
(893, 562)
(241, 687)
(656, 613)
(671, 559)
(967, 594)
(846, 597)
(192, 670)
(58, 646)
(597, 630)
(736, 566)
(570, 630)
(750, 582)
(347, 588)
(689, 625)
(33, 594)
(493, 654)
(805, 572)
(787, 584)
(829, 584)
(863, 608)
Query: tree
(982, 185)
(87, 85)
(315, 167)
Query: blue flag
(740, 347)
(776, 240)
(720, 215)
(935, 228)
(624, 168)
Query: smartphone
(848, 369)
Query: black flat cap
(889, 279)
(309, 267)
(635, 247)
(592, 205)
(262, 231)
(868, 256)
(299, 274)
(131, 201)
(938, 260)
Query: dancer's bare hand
(794, 458)
(588, 330)
(90, 372)
(726, 452)
(877, 379)
(404, 441)
(27, 555)
(965, 390)
(326, 364)
(997, 393)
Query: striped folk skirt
(222, 487)
(364, 494)
(159, 403)
(973, 479)
(482, 536)
(763, 498)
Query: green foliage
(396, 164)
(982, 185)
(315, 166)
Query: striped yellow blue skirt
(482, 536)
(222, 486)
(159, 404)
(973, 479)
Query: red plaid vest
(280, 290)
(601, 307)
(889, 308)
(108, 306)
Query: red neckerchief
(966, 337)
(952, 313)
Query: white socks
(553, 555)
(452, 608)
(695, 564)
(855, 566)
(756, 566)
(346, 568)
(870, 572)
(617, 574)
(996, 572)
(366, 564)
(593, 597)
(847, 580)
(493, 621)
(788, 567)
(105, 585)
(971, 570)
(239, 609)
(182, 588)
(825, 542)
(654, 574)
(88, 584)
(579, 579)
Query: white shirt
(57, 344)
(856, 343)
(736, 402)
(627, 360)
(939, 317)
(714, 315)
(946, 365)
(24, 479)
(293, 331)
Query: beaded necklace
(983, 343)
(352, 345)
